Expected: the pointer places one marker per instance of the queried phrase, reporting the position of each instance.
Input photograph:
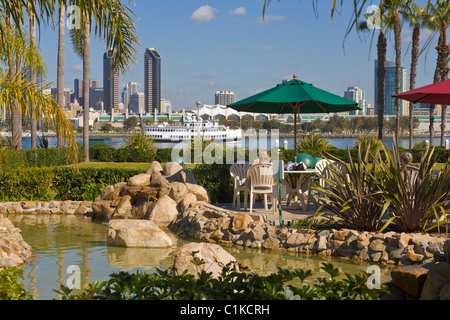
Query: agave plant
(415, 200)
(140, 140)
(313, 144)
(351, 193)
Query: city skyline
(227, 46)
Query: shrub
(103, 153)
(231, 285)
(216, 179)
(10, 286)
(313, 144)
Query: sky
(225, 45)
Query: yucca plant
(415, 200)
(313, 144)
(352, 193)
(368, 142)
(140, 140)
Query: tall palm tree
(60, 62)
(437, 19)
(31, 71)
(414, 14)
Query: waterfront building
(359, 96)
(389, 91)
(136, 105)
(225, 97)
(152, 79)
(110, 82)
(129, 89)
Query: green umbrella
(295, 97)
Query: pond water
(62, 243)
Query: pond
(62, 243)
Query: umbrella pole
(295, 130)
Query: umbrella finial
(295, 76)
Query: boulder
(140, 180)
(240, 222)
(136, 234)
(123, 209)
(196, 257)
(158, 181)
(188, 201)
(446, 249)
(410, 279)
(198, 191)
(164, 212)
(437, 282)
(154, 167)
(177, 191)
(172, 170)
(102, 211)
(188, 177)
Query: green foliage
(313, 144)
(10, 286)
(216, 179)
(232, 284)
(102, 152)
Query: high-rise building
(129, 89)
(225, 97)
(136, 103)
(389, 90)
(152, 80)
(357, 95)
(78, 89)
(110, 82)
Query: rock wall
(13, 250)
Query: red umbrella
(436, 93)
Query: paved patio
(289, 213)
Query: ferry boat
(191, 129)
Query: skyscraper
(357, 95)
(224, 97)
(389, 91)
(110, 82)
(152, 80)
(129, 89)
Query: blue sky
(214, 45)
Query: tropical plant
(353, 195)
(437, 19)
(414, 14)
(60, 63)
(232, 284)
(367, 142)
(416, 200)
(10, 286)
(313, 143)
(33, 77)
(140, 140)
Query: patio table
(295, 185)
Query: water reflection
(59, 242)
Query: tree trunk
(86, 71)
(381, 52)
(444, 76)
(412, 77)
(61, 62)
(33, 80)
(398, 68)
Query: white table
(296, 185)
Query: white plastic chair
(238, 172)
(262, 181)
(326, 169)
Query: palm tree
(60, 62)
(32, 73)
(412, 13)
(437, 19)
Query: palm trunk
(86, 71)
(381, 52)
(444, 76)
(398, 69)
(60, 72)
(412, 78)
(33, 80)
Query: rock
(377, 245)
(101, 211)
(107, 193)
(198, 191)
(177, 191)
(321, 244)
(256, 234)
(164, 212)
(188, 201)
(295, 240)
(240, 222)
(158, 181)
(196, 257)
(123, 209)
(139, 180)
(446, 249)
(188, 177)
(154, 167)
(136, 234)
(438, 277)
(445, 292)
(410, 279)
(271, 244)
(171, 170)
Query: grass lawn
(116, 165)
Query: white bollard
(447, 144)
(285, 144)
(427, 142)
(277, 143)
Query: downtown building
(152, 81)
(389, 91)
(224, 98)
(110, 83)
(357, 95)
